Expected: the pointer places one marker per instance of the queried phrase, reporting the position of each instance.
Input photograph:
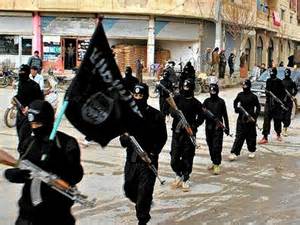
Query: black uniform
(152, 136)
(129, 80)
(214, 134)
(28, 91)
(187, 73)
(63, 159)
(273, 109)
(245, 129)
(231, 63)
(182, 149)
(291, 87)
(163, 105)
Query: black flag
(99, 106)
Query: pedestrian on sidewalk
(129, 80)
(36, 61)
(245, 127)
(215, 62)
(222, 64)
(139, 70)
(152, 136)
(231, 62)
(38, 78)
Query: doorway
(70, 52)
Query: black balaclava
(128, 71)
(273, 73)
(213, 90)
(143, 89)
(24, 72)
(41, 111)
(188, 88)
(287, 73)
(246, 86)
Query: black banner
(99, 106)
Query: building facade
(150, 28)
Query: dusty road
(264, 190)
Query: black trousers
(221, 71)
(276, 115)
(244, 131)
(214, 139)
(231, 70)
(287, 114)
(182, 155)
(138, 187)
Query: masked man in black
(291, 90)
(214, 133)
(245, 127)
(28, 91)
(62, 157)
(129, 80)
(273, 109)
(152, 136)
(182, 149)
(163, 94)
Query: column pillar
(151, 43)
(37, 33)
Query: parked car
(258, 87)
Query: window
(26, 46)
(9, 45)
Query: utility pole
(218, 18)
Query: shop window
(9, 45)
(26, 46)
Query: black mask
(23, 77)
(40, 132)
(141, 103)
(187, 93)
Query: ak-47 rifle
(249, 117)
(39, 175)
(217, 121)
(290, 95)
(277, 99)
(144, 156)
(183, 122)
(18, 104)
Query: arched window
(270, 52)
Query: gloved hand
(17, 175)
(125, 140)
(227, 131)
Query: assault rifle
(249, 117)
(217, 121)
(290, 95)
(39, 175)
(144, 156)
(183, 122)
(18, 104)
(277, 99)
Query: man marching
(139, 178)
(274, 107)
(182, 148)
(213, 130)
(291, 90)
(246, 104)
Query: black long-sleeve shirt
(218, 107)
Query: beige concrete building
(266, 30)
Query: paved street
(264, 190)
